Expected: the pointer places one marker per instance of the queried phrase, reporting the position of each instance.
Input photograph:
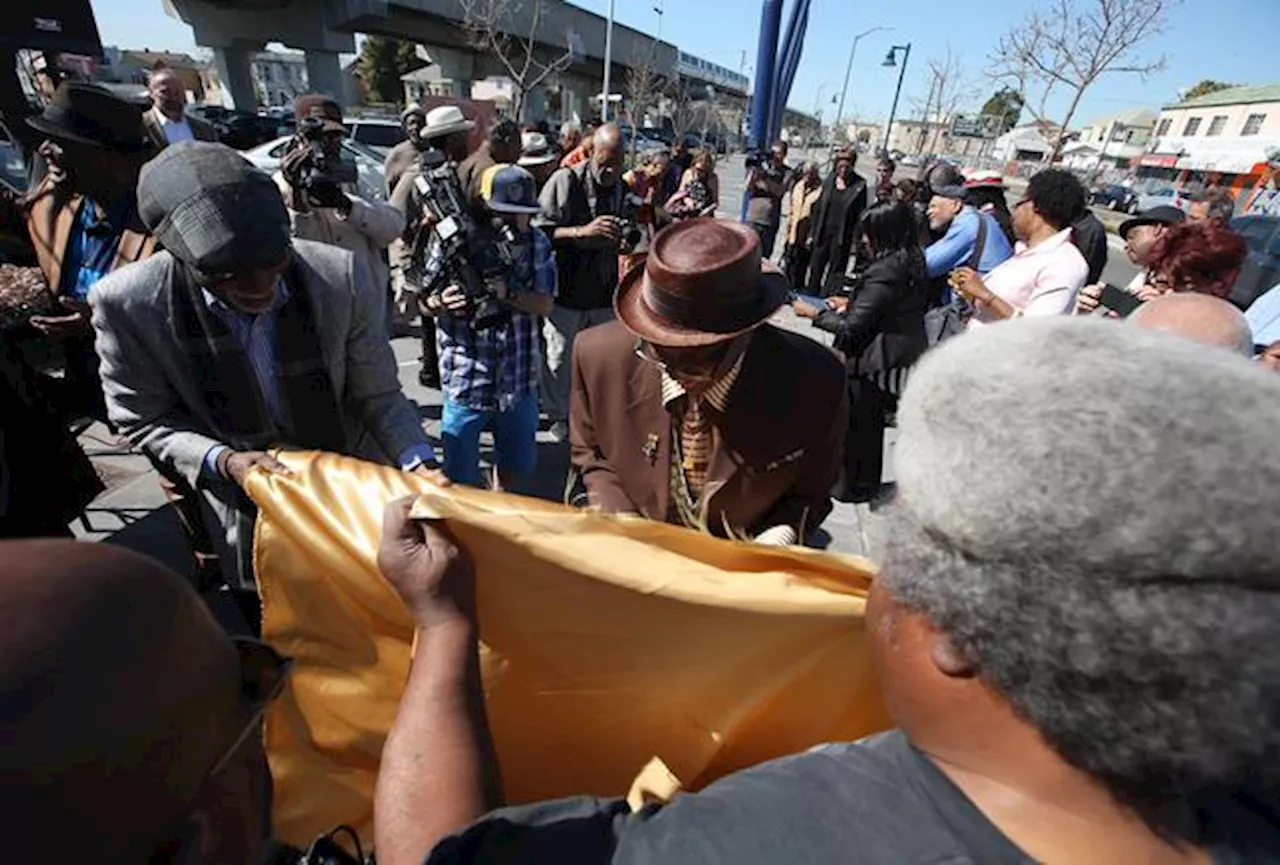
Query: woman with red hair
(1203, 257)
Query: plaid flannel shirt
(489, 370)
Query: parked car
(379, 134)
(13, 168)
(240, 129)
(1115, 197)
(1164, 196)
(642, 142)
(206, 112)
(1261, 270)
(371, 182)
(659, 133)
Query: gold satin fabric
(609, 644)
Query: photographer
(583, 212)
(318, 187)
(768, 180)
(447, 130)
(489, 365)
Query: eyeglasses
(263, 675)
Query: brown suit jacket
(200, 130)
(776, 451)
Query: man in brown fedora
(691, 409)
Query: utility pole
(608, 63)
(890, 60)
(853, 49)
(924, 121)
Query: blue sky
(1223, 39)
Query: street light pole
(817, 104)
(891, 61)
(608, 63)
(849, 68)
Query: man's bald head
(118, 692)
(608, 135)
(606, 154)
(1199, 317)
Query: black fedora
(88, 114)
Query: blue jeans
(515, 447)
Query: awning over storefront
(1224, 155)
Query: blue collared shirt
(955, 247)
(255, 334)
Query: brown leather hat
(702, 282)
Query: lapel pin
(651, 448)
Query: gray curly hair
(1088, 511)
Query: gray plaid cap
(211, 208)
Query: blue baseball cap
(509, 189)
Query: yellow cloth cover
(611, 645)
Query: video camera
(321, 173)
(473, 254)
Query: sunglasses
(263, 674)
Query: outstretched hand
(74, 323)
(429, 572)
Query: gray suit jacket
(155, 400)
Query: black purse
(943, 322)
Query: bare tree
(1066, 45)
(645, 86)
(492, 26)
(947, 89)
(691, 107)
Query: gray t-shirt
(878, 801)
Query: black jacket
(1090, 237)
(848, 217)
(883, 327)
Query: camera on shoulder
(322, 175)
(473, 254)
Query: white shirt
(174, 130)
(1040, 280)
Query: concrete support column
(324, 74)
(457, 67)
(233, 70)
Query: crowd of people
(1077, 599)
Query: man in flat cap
(236, 340)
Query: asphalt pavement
(133, 513)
